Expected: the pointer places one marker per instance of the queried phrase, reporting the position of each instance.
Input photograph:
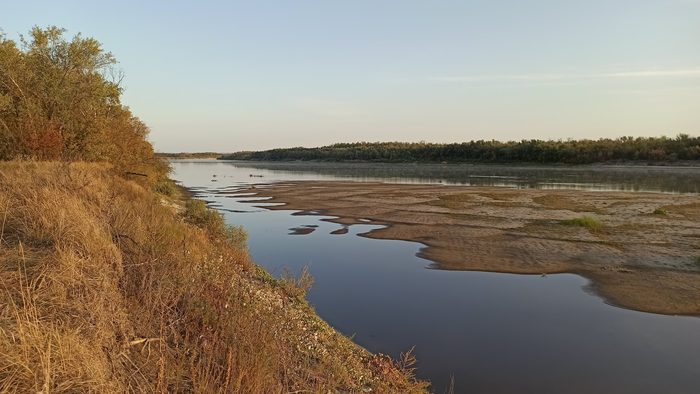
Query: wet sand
(637, 260)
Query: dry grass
(106, 290)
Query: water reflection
(600, 178)
(493, 332)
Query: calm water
(496, 333)
(653, 179)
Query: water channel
(495, 333)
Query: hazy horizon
(233, 76)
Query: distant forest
(186, 155)
(624, 149)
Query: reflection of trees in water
(663, 179)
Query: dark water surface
(604, 178)
(496, 333)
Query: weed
(296, 288)
(583, 221)
(660, 211)
(165, 187)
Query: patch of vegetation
(660, 211)
(266, 277)
(696, 261)
(198, 214)
(166, 187)
(296, 287)
(583, 221)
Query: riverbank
(109, 286)
(637, 259)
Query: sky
(227, 76)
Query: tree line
(624, 149)
(60, 100)
(189, 155)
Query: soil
(637, 260)
(303, 230)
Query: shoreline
(621, 164)
(638, 260)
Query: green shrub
(197, 213)
(236, 236)
(660, 211)
(166, 187)
(583, 221)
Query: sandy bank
(638, 260)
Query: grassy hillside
(108, 286)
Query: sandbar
(637, 260)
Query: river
(495, 333)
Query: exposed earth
(637, 259)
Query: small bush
(236, 236)
(583, 221)
(660, 211)
(197, 213)
(296, 288)
(166, 187)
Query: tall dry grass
(104, 288)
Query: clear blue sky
(233, 75)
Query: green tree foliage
(663, 149)
(60, 99)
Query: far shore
(638, 259)
(605, 164)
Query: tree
(59, 99)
